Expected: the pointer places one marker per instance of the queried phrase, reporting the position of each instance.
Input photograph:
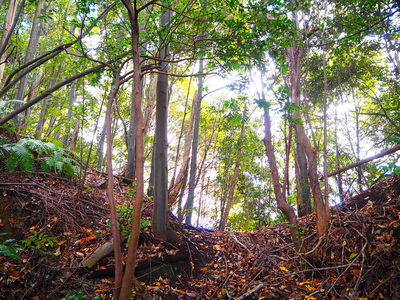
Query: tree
(195, 141)
(160, 222)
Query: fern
(38, 146)
(28, 153)
(60, 163)
(16, 156)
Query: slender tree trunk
(75, 135)
(193, 163)
(303, 187)
(283, 205)
(294, 56)
(131, 163)
(30, 53)
(130, 167)
(101, 147)
(160, 202)
(180, 181)
(177, 157)
(72, 97)
(126, 288)
(232, 186)
(9, 23)
(325, 117)
(110, 189)
(339, 179)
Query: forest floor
(62, 223)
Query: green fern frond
(38, 146)
(17, 157)
(27, 153)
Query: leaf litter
(358, 259)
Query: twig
(316, 246)
(61, 285)
(240, 243)
(252, 291)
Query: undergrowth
(35, 155)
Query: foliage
(29, 154)
(75, 295)
(9, 248)
(391, 168)
(125, 220)
(40, 242)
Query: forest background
(232, 114)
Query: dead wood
(100, 253)
(363, 161)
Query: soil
(57, 223)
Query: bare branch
(363, 161)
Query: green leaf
(9, 251)
(353, 255)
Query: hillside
(63, 223)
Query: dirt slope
(64, 222)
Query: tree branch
(47, 93)
(363, 161)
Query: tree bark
(232, 186)
(193, 162)
(283, 205)
(110, 188)
(126, 288)
(30, 53)
(9, 23)
(303, 187)
(179, 182)
(160, 201)
(72, 97)
(295, 54)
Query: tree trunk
(30, 53)
(75, 135)
(295, 54)
(160, 201)
(126, 288)
(110, 189)
(283, 205)
(101, 147)
(9, 23)
(72, 97)
(177, 156)
(178, 184)
(193, 163)
(303, 188)
(130, 166)
(232, 186)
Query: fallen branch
(252, 291)
(363, 161)
(241, 244)
(100, 253)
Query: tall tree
(9, 23)
(30, 51)
(133, 12)
(195, 141)
(160, 222)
